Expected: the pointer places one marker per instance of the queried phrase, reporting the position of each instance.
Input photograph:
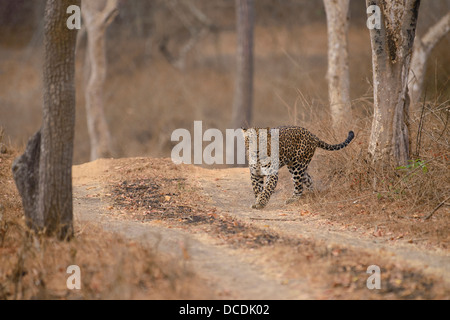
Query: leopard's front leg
(269, 187)
(257, 183)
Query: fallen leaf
(336, 252)
(304, 213)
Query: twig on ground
(435, 209)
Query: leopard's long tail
(334, 147)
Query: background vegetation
(147, 97)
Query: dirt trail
(230, 275)
(230, 190)
(240, 273)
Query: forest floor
(202, 218)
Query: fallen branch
(435, 209)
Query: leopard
(296, 148)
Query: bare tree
(338, 16)
(243, 96)
(97, 15)
(43, 174)
(195, 21)
(392, 45)
(422, 49)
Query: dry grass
(408, 202)
(33, 267)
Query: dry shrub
(423, 181)
(408, 201)
(111, 268)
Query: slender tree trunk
(243, 96)
(422, 49)
(338, 71)
(391, 54)
(43, 174)
(97, 15)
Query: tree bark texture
(338, 16)
(55, 167)
(98, 15)
(391, 55)
(422, 49)
(43, 174)
(243, 96)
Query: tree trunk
(43, 174)
(422, 49)
(391, 54)
(243, 98)
(97, 15)
(338, 71)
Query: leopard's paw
(258, 206)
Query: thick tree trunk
(422, 49)
(338, 71)
(43, 174)
(97, 15)
(57, 134)
(391, 54)
(243, 96)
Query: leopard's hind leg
(299, 177)
(307, 181)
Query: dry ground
(149, 229)
(202, 217)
